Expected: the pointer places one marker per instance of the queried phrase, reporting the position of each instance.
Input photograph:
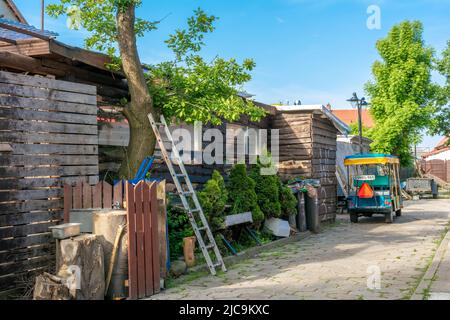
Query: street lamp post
(42, 14)
(359, 104)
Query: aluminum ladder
(185, 194)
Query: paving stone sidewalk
(335, 264)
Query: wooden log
(105, 226)
(50, 287)
(81, 260)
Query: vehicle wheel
(398, 213)
(354, 217)
(389, 217)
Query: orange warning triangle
(365, 191)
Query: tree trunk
(142, 140)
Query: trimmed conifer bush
(267, 192)
(241, 193)
(213, 199)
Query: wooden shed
(308, 149)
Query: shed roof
(320, 109)
(15, 31)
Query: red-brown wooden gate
(143, 242)
(142, 216)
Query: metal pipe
(360, 127)
(42, 14)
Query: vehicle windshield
(376, 175)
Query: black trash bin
(312, 209)
(301, 215)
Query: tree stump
(80, 262)
(105, 226)
(50, 287)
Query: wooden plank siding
(308, 149)
(51, 126)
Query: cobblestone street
(336, 263)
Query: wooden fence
(143, 240)
(48, 134)
(86, 196)
(143, 214)
(437, 168)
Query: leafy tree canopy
(402, 93)
(187, 87)
(441, 122)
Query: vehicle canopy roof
(370, 158)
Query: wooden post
(132, 257)
(162, 228)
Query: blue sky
(318, 51)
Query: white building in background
(8, 10)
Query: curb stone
(426, 280)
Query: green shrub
(267, 192)
(213, 199)
(288, 200)
(179, 228)
(241, 193)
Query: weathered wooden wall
(113, 139)
(51, 128)
(308, 149)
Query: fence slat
(154, 236)
(107, 195)
(97, 196)
(67, 202)
(87, 195)
(149, 289)
(77, 196)
(138, 189)
(132, 257)
(118, 193)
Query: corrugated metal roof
(17, 35)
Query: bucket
(188, 250)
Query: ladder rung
(217, 264)
(209, 246)
(201, 228)
(194, 210)
(187, 193)
(181, 175)
(159, 124)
